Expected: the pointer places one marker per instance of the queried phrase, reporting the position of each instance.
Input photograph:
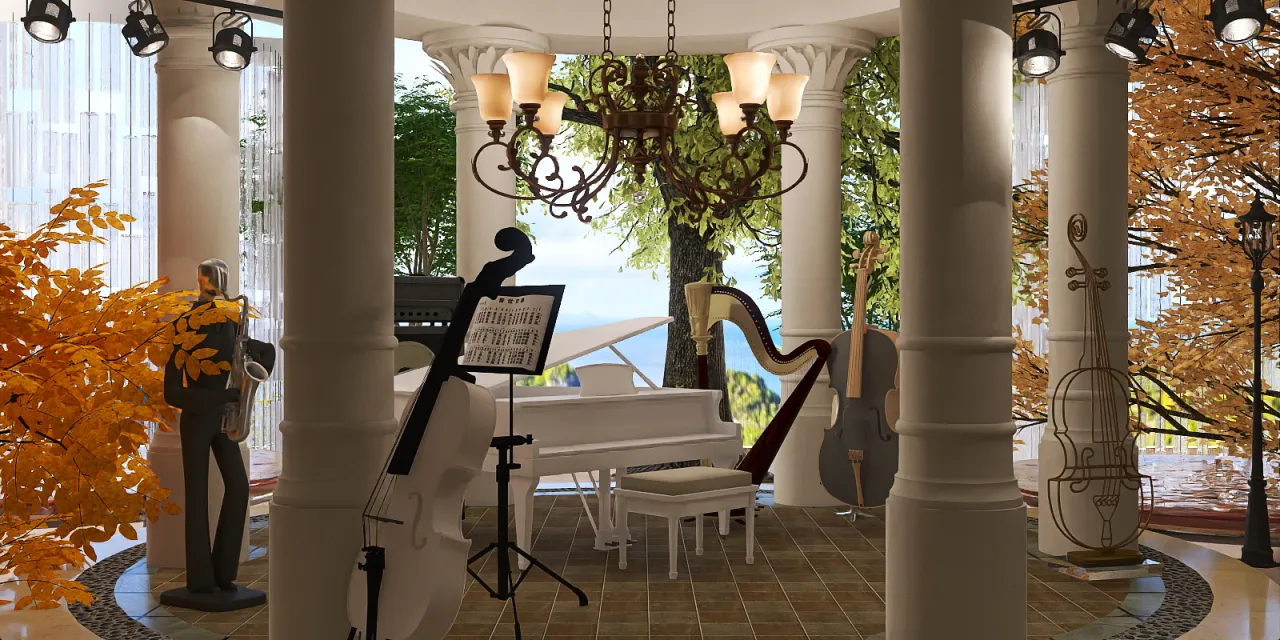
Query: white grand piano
(601, 434)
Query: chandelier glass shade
(640, 103)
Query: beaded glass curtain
(1030, 154)
(83, 110)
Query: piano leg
(524, 486)
(604, 494)
(621, 534)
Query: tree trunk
(691, 261)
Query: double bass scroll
(709, 304)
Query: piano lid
(565, 347)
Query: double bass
(412, 570)
(709, 304)
(859, 455)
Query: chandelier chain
(608, 30)
(671, 28)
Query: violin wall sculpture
(1091, 500)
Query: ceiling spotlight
(143, 31)
(232, 45)
(1037, 51)
(1132, 34)
(1237, 21)
(48, 20)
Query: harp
(709, 304)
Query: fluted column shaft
(1088, 175)
(461, 53)
(338, 398)
(811, 234)
(955, 514)
(198, 194)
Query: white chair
(691, 491)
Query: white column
(461, 53)
(1088, 174)
(198, 160)
(811, 261)
(956, 519)
(338, 401)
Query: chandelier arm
(475, 171)
(587, 193)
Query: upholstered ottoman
(691, 491)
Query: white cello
(411, 573)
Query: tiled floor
(138, 591)
(816, 575)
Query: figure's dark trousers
(208, 569)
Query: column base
(796, 482)
(935, 556)
(166, 537)
(313, 552)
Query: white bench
(691, 491)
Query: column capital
(190, 29)
(461, 52)
(1085, 22)
(825, 53)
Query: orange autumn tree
(1203, 136)
(81, 381)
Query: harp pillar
(339, 406)
(460, 53)
(955, 511)
(1088, 175)
(811, 232)
(198, 217)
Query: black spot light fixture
(142, 30)
(1038, 51)
(1237, 21)
(232, 45)
(48, 21)
(1132, 34)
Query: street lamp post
(1257, 238)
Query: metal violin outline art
(1111, 458)
(859, 455)
(412, 569)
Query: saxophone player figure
(212, 569)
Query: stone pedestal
(339, 408)
(956, 525)
(461, 53)
(811, 228)
(1088, 175)
(198, 193)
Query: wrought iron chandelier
(640, 106)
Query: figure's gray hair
(215, 271)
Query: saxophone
(245, 376)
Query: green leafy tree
(425, 182)
(752, 403)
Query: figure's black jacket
(209, 392)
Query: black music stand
(511, 334)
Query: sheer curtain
(84, 110)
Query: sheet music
(508, 331)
